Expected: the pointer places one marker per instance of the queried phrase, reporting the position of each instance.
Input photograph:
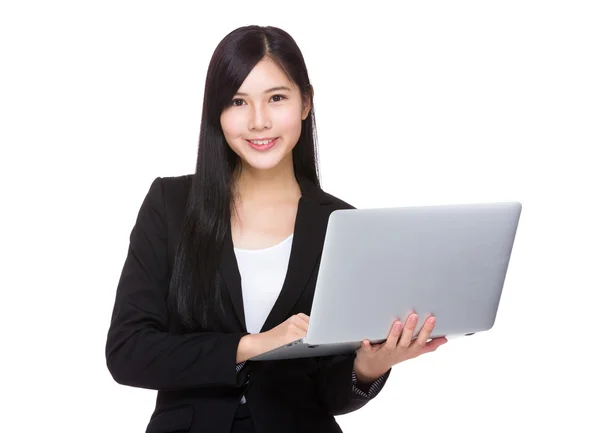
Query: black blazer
(195, 373)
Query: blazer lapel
(307, 244)
(231, 276)
(309, 233)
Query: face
(264, 120)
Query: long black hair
(196, 288)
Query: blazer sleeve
(336, 388)
(140, 351)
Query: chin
(262, 163)
(267, 161)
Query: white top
(263, 272)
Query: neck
(266, 186)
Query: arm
(368, 390)
(338, 388)
(140, 351)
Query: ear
(307, 102)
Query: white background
(420, 103)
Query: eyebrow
(273, 89)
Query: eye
(237, 102)
(278, 98)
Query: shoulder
(336, 202)
(168, 195)
(171, 186)
(175, 189)
(315, 192)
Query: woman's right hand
(292, 329)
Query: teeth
(260, 142)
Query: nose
(259, 118)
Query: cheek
(290, 121)
(230, 125)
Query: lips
(262, 143)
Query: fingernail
(398, 325)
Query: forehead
(265, 75)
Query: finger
(300, 318)
(300, 323)
(394, 335)
(297, 331)
(366, 346)
(408, 331)
(434, 344)
(303, 316)
(425, 332)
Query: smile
(263, 143)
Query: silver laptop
(379, 265)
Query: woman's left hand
(372, 361)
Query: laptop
(379, 265)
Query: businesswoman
(222, 265)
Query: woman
(222, 264)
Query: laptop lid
(378, 265)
